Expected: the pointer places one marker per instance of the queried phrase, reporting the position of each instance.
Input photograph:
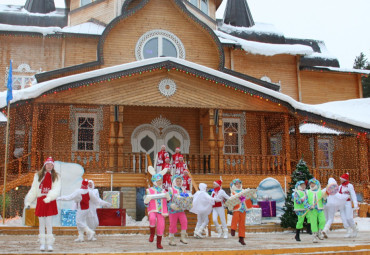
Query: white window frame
(86, 115)
(81, 4)
(160, 34)
(233, 120)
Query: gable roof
(328, 113)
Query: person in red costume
(346, 212)
(167, 177)
(218, 209)
(176, 156)
(45, 189)
(161, 157)
(187, 181)
(181, 166)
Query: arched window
(159, 43)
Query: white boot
(183, 237)
(225, 232)
(42, 242)
(90, 234)
(354, 231)
(172, 240)
(50, 241)
(219, 231)
(315, 237)
(80, 237)
(320, 235)
(198, 233)
(325, 232)
(349, 232)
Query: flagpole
(6, 159)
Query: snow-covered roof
(311, 128)
(343, 70)
(354, 112)
(266, 49)
(2, 117)
(85, 28)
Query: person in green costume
(300, 206)
(316, 198)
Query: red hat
(177, 148)
(181, 156)
(345, 177)
(85, 184)
(49, 160)
(219, 183)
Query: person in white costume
(346, 211)
(202, 207)
(84, 197)
(219, 210)
(92, 220)
(333, 204)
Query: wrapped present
(183, 202)
(30, 218)
(68, 217)
(245, 195)
(115, 198)
(111, 216)
(253, 216)
(268, 208)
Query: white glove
(168, 196)
(47, 200)
(146, 200)
(107, 205)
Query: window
(231, 130)
(22, 82)
(159, 43)
(325, 153)
(276, 145)
(201, 4)
(85, 2)
(86, 132)
(22, 76)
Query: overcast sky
(344, 25)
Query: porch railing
(323, 175)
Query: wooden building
(124, 77)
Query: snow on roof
(2, 117)
(58, 3)
(355, 112)
(311, 128)
(345, 70)
(258, 28)
(85, 28)
(324, 53)
(267, 49)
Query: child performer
(202, 206)
(218, 209)
(45, 189)
(180, 166)
(174, 213)
(155, 199)
(239, 211)
(175, 157)
(187, 184)
(300, 206)
(161, 156)
(315, 199)
(167, 176)
(92, 218)
(346, 211)
(334, 203)
(83, 197)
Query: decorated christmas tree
(301, 173)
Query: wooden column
(299, 87)
(297, 139)
(211, 141)
(112, 141)
(120, 139)
(363, 158)
(263, 143)
(34, 145)
(287, 143)
(220, 143)
(316, 151)
(51, 136)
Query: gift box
(111, 216)
(30, 218)
(268, 208)
(115, 198)
(183, 202)
(253, 216)
(68, 217)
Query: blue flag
(9, 95)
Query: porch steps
(111, 230)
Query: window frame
(81, 5)
(160, 34)
(232, 120)
(329, 142)
(199, 5)
(76, 141)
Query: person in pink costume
(176, 214)
(156, 201)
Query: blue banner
(9, 95)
